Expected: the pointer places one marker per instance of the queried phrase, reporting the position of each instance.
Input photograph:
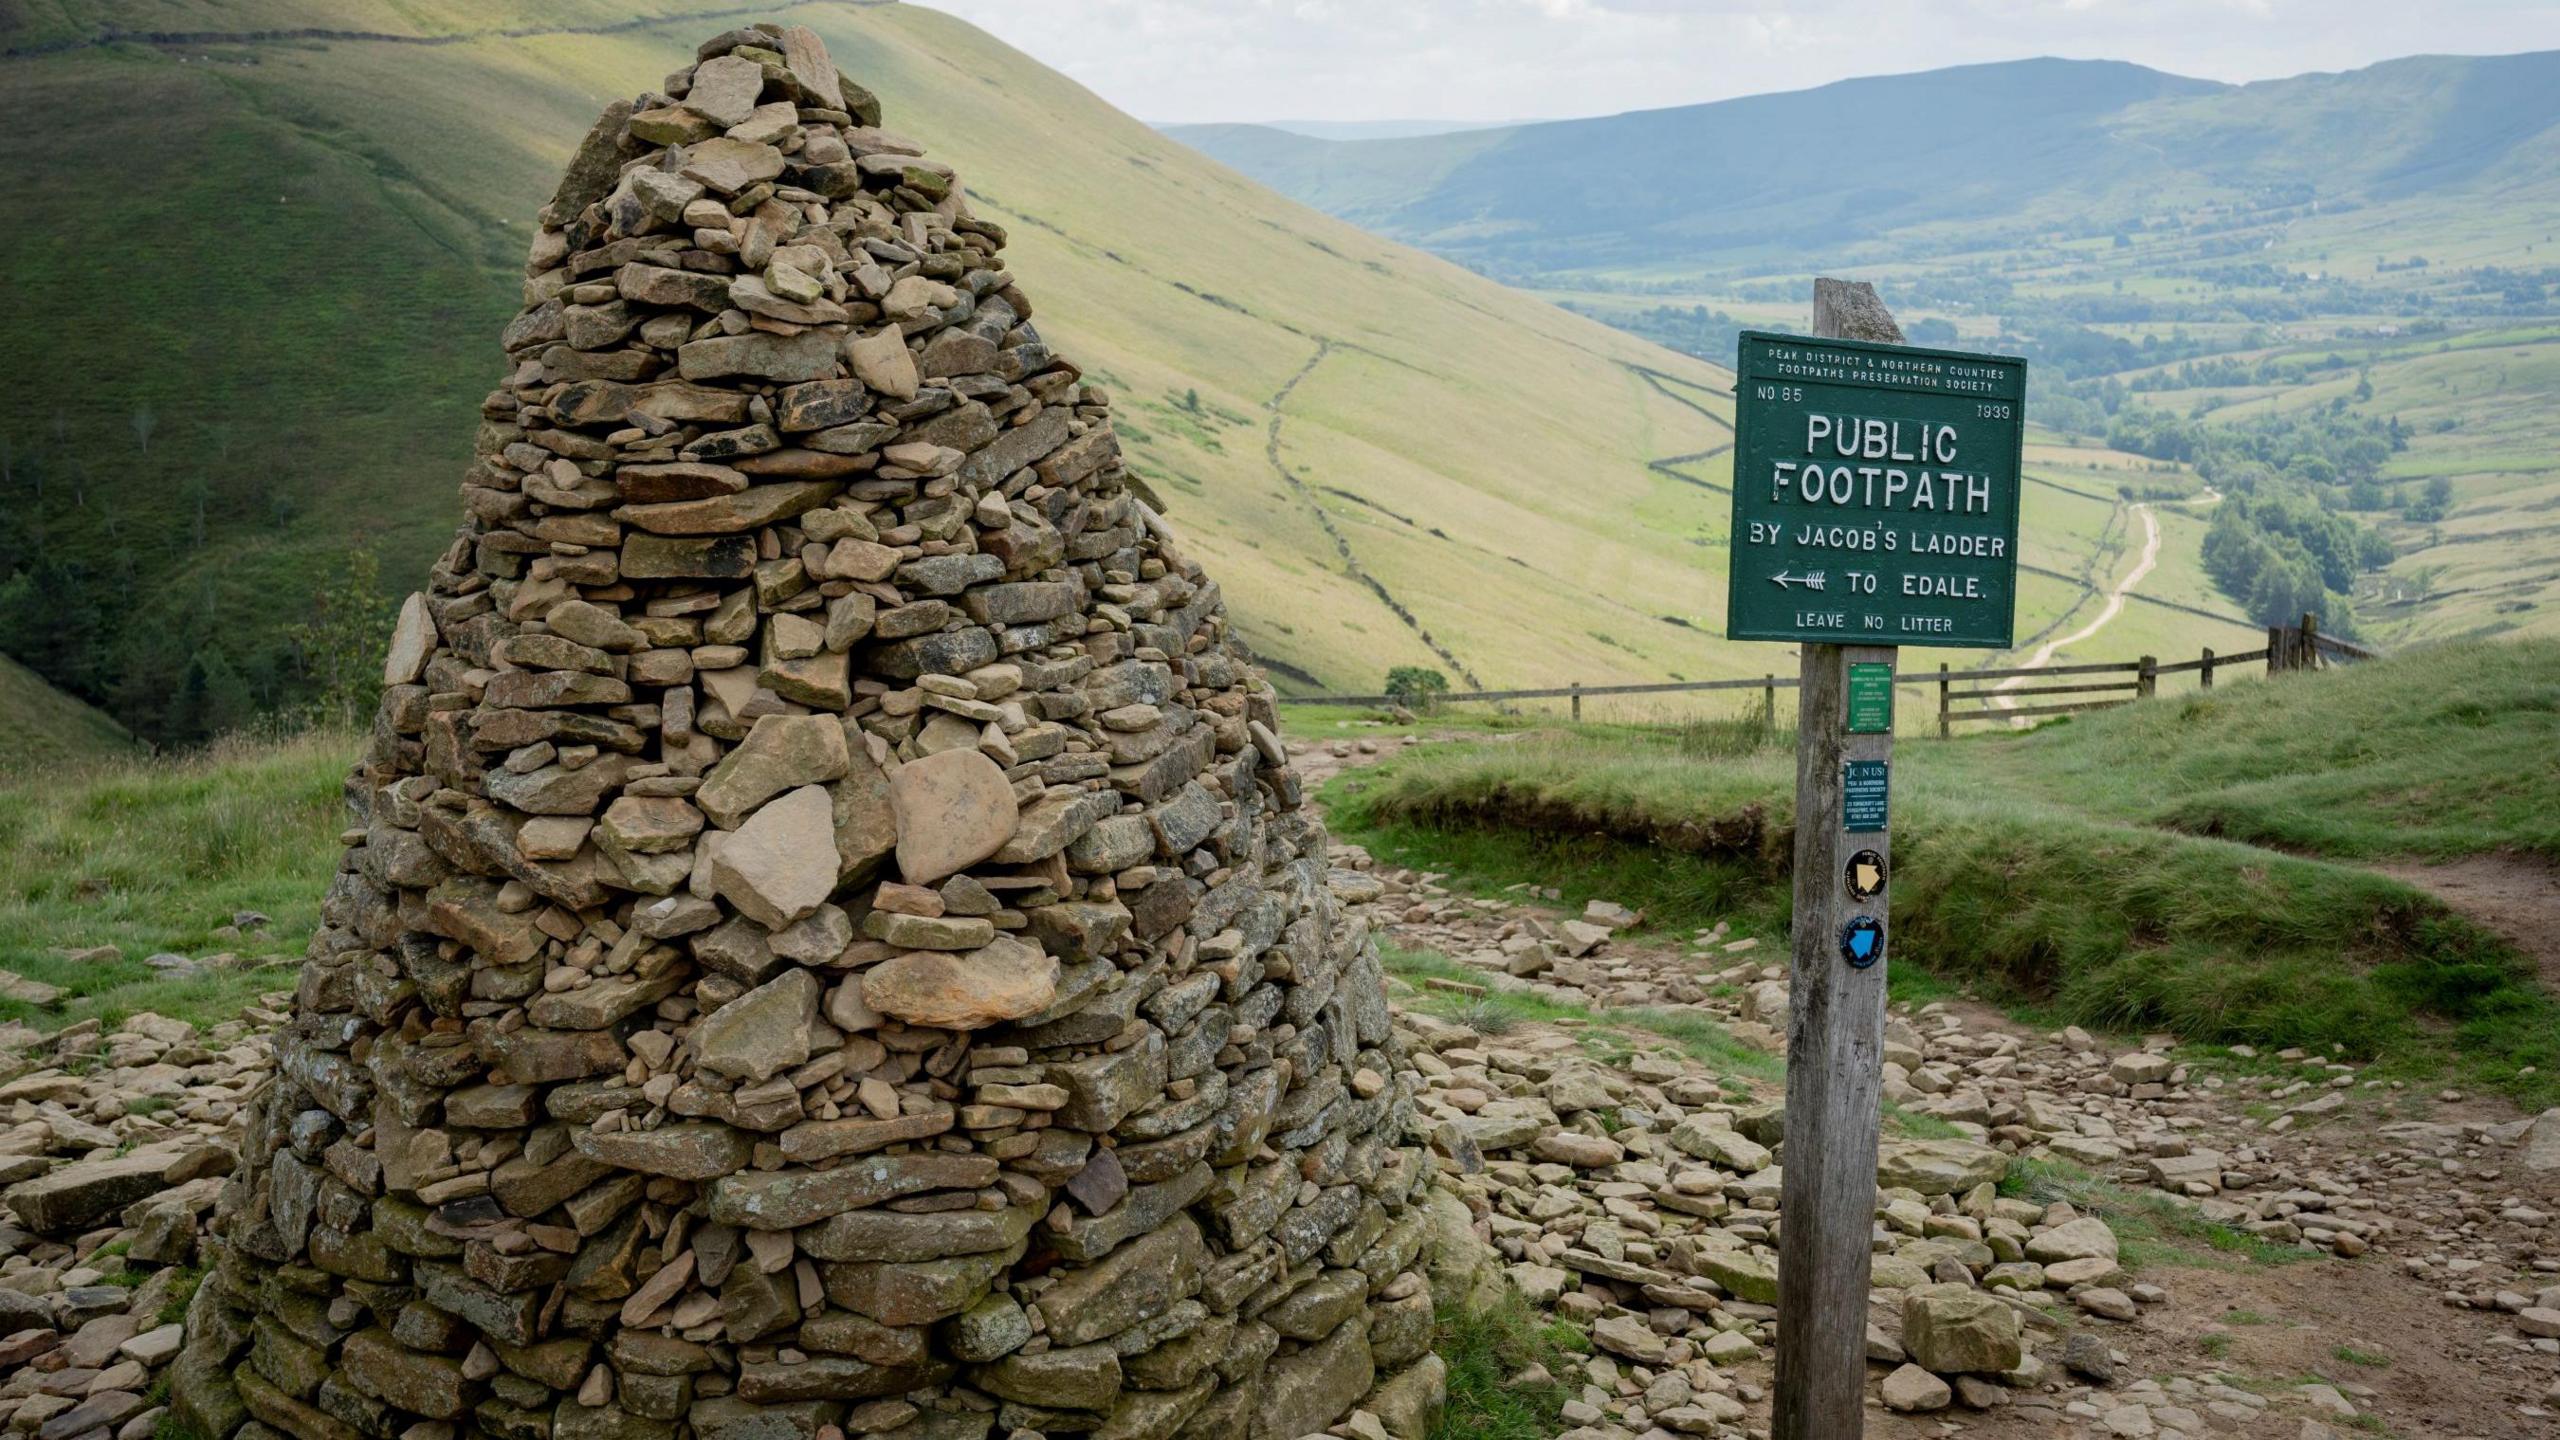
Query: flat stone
(86, 1193)
(1954, 1329)
(789, 1199)
(1133, 1284)
(1745, 1274)
(764, 1032)
(1304, 1392)
(2541, 1146)
(1911, 1390)
(1939, 1167)
(730, 166)
(1057, 820)
(750, 509)
(683, 1151)
(781, 864)
(809, 356)
(1003, 980)
(413, 640)
(954, 809)
(2086, 1238)
(1071, 1377)
(781, 752)
(725, 90)
(882, 361)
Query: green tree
(340, 648)
(1415, 686)
(212, 698)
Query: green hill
(262, 308)
(43, 729)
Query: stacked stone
(830, 942)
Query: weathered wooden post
(1768, 704)
(2308, 658)
(2146, 682)
(1577, 702)
(1946, 723)
(1841, 444)
(2204, 675)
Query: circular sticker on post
(1862, 942)
(1865, 875)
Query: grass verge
(2073, 916)
(1486, 1352)
(159, 855)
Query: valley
(2331, 296)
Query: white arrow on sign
(1813, 580)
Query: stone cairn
(830, 942)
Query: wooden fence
(2288, 647)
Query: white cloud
(1193, 60)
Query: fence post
(2204, 677)
(2276, 636)
(1945, 725)
(2147, 683)
(1577, 702)
(1768, 704)
(2309, 659)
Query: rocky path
(2287, 1248)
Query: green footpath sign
(1870, 699)
(1875, 493)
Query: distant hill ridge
(2019, 142)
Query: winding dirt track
(2116, 598)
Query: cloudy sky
(1200, 60)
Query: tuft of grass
(1486, 1351)
(2368, 1359)
(2152, 1229)
(2216, 1344)
(182, 1291)
(1692, 1034)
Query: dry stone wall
(829, 941)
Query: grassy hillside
(43, 729)
(264, 343)
(2074, 868)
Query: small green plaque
(1870, 699)
(1875, 493)
(1863, 796)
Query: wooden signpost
(1875, 490)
